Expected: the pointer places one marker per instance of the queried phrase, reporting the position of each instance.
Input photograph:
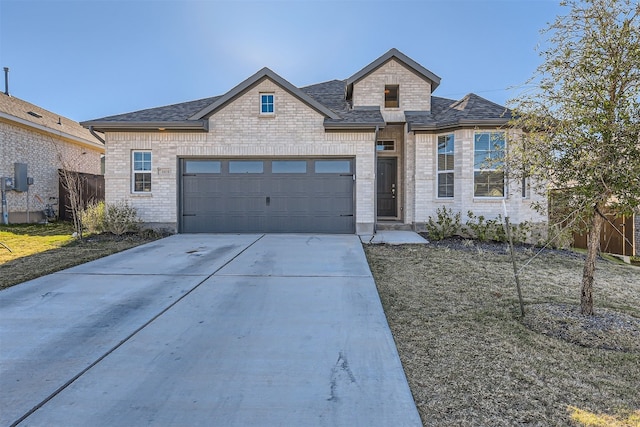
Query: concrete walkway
(393, 237)
(215, 330)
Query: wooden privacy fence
(617, 235)
(91, 190)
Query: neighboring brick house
(344, 156)
(45, 142)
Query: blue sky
(86, 59)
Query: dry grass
(36, 250)
(470, 360)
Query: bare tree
(73, 183)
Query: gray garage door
(267, 196)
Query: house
(37, 143)
(344, 156)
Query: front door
(387, 187)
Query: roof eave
(354, 126)
(456, 124)
(65, 135)
(113, 126)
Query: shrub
(494, 229)
(121, 218)
(92, 217)
(483, 229)
(446, 225)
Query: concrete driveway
(211, 330)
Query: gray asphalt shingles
(332, 94)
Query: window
(333, 166)
(202, 166)
(391, 96)
(141, 171)
(246, 166)
(445, 165)
(386, 146)
(266, 103)
(488, 176)
(289, 166)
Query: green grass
(31, 251)
(25, 240)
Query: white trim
(452, 171)
(273, 104)
(134, 171)
(504, 175)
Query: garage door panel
(268, 196)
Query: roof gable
(404, 59)
(264, 73)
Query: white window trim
(263, 113)
(438, 172)
(134, 171)
(504, 175)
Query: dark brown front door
(387, 186)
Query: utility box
(20, 182)
(6, 183)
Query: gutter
(458, 123)
(354, 126)
(185, 125)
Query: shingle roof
(20, 111)
(332, 94)
(168, 113)
(470, 110)
(329, 98)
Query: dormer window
(266, 103)
(391, 96)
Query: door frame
(398, 215)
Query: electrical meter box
(20, 183)
(6, 183)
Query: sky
(87, 59)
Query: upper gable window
(391, 96)
(266, 103)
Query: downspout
(93, 132)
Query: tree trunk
(593, 246)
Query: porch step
(393, 226)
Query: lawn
(30, 251)
(470, 359)
(453, 311)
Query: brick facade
(236, 129)
(427, 201)
(415, 92)
(44, 153)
